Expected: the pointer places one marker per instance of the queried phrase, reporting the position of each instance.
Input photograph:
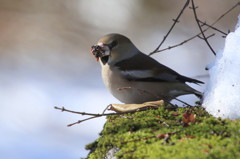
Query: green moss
(135, 135)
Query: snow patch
(222, 96)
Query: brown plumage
(133, 77)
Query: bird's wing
(144, 68)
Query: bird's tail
(198, 94)
(191, 80)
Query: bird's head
(113, 48)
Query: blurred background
(45, 61)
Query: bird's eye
(113, 44)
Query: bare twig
(238, 3)
(175, 21)
(193, 37)
(93, 115)
(173, 46)
(84, 113)
(106, 108)
(204, 23)
(200, 28)
(80, 121)
(75, 112)
(206, 37)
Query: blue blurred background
(45, 62)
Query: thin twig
(93, 115)
(200, 28)
(75, 112)
(173, 46)
(206, 37)
(193, 37)
(90, 114)
(80, 121)
(204, 23)
(84, 113)
(174, 23)
(106, 108)
(238, 3)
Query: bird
(134, 77)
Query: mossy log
(165, 133)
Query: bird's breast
(106, 74)
(111, 77)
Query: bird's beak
(100, 50)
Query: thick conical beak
(100, 50)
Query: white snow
(222, 96)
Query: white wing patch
(137, 73)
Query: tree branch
(200, 28)
(174, 23)
(204, 23)
(193, 37)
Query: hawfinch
(133, 77)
